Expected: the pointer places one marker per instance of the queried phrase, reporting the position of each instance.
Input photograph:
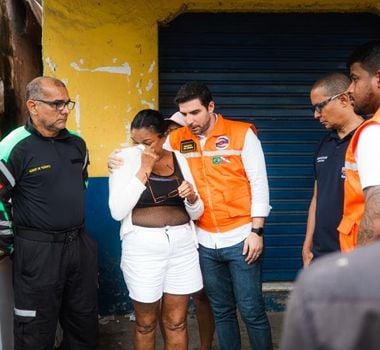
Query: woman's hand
(114, 160)
(148, 158)
(186, 190)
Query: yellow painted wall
(107, 53)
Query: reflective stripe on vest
(350, 166)
(25, 313)
(7, 174)
(7, 232)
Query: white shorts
(160, 260)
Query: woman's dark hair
(152, 120)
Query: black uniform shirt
(328, 171)
(50, 175)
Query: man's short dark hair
(194, 90)
(332, 83)
(368, 55)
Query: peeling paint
(149, 104)
(151, 68)
(149, 86)
(123, 69)
(52, 66)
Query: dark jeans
(229, 282)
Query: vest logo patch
(39, 168)
(222, 142)
(188, 146)
(217, 160)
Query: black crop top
(162, 190)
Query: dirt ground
(116, 333)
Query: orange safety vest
(219, 173)
(353, 207)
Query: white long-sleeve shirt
(125, 188)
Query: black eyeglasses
(319, 106)
(164, 197)
(59, 105)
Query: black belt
(48, 236)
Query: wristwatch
(258, 230)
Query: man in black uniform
(43, 174)
(332, 108)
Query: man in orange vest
(227, 163)
(361, 215)
(332, 108)
(335, 303)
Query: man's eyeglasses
(164, 197)
(319, 106)
(59, 105)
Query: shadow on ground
(116, 332)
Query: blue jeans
(229, 282)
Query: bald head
(35, 88)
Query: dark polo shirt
(328, 172)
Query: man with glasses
(336, 301)
(43, 175)
(332, 107)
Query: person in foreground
(336, 302)
(43, 175)
(227, 162)
(332, 107)
(154, 196)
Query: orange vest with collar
(219, 173)
(353, 208)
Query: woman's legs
(174, 321)
(146, 321)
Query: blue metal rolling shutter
(260, 68)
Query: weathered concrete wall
(107, 53)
